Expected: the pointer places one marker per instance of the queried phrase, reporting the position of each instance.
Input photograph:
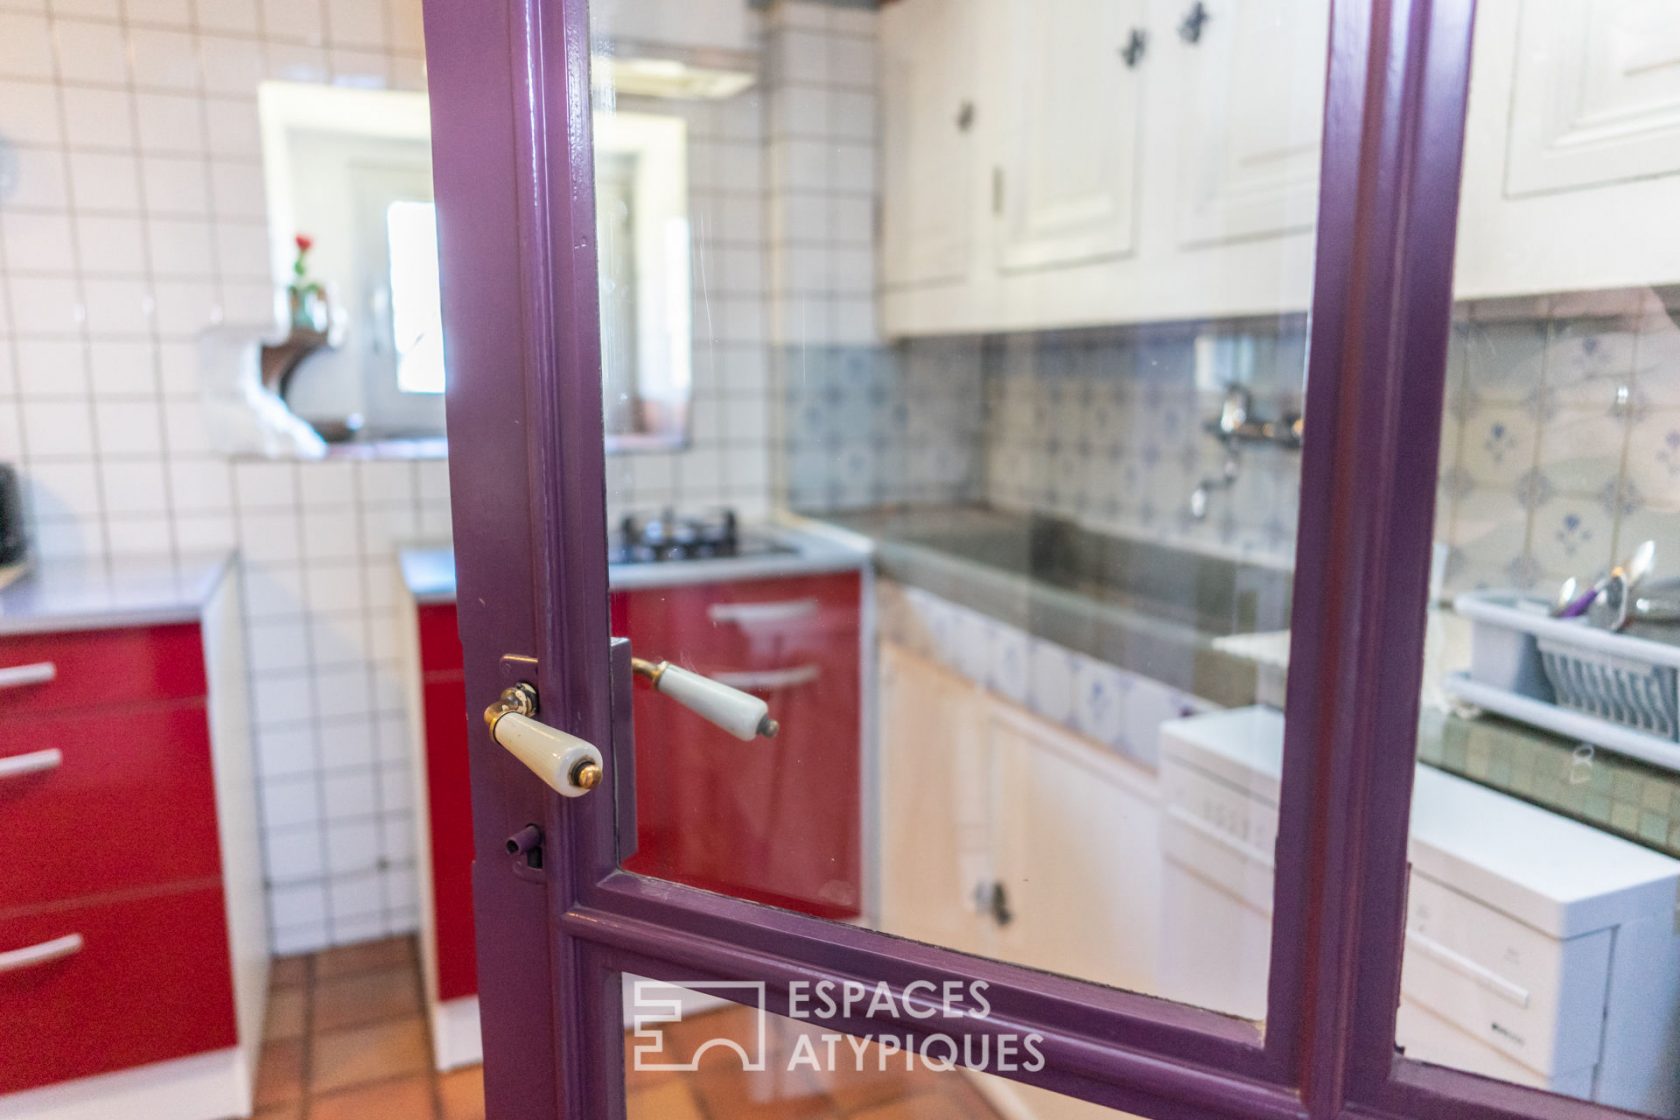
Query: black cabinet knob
(1195, 20)
(1134, 49)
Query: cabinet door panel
(928, 124)
(775, 821)
(1597, 94)
(1069, 183)
(933, 804)
(145, 980)
(129, 802)
(1251, 115)
(1078, 842)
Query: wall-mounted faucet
(1233, 427)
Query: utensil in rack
(1612, 607)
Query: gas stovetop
(666, 536)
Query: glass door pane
(1541, 943)
(955, 357)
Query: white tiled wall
(727, 461)
(821, 68)
(137, 218)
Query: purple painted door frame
(514, 171)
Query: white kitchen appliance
(1539, 951)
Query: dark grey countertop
(1141, 606)
(59, 595)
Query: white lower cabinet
(1009, 837)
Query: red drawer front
(104, 667)
(150, 982)
(440, 639)
(774, 821)
(131, 803)
(751, 624)
(449, 803)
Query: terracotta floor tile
(924, 1106)
(280, 1072)
(285, 1015)
(407, 1099)
(462, 1094)
(669, 1101)
(724, 1089)
(293, 1111)
(367, 956)
(376, 1052)
(288, 972)
(366, 998)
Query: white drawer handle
(33, 956)
(762, 614)
(1467, 968)
(35, 762)
(769, 680)
(20, 676)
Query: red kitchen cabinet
(443, 698)
(776, 821)
(132, 927)
(773, 820)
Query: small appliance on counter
(13, 546)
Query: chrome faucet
(1233, 427)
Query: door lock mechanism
(568, 765)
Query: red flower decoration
(304, 242)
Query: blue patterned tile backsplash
(1560, 440)
(1561, 446)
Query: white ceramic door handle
(20, 676)
(32, 956)
(566, 764)
(742, 714)
(35, 762)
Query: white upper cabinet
(1597, 94)
(1250, 106)
(1067, 188)
(928, 129)
(1572, 152)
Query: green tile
(1624, 818)
(1653, 828)
(1655, 796)
(1597, 807)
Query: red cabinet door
(149, 982)
(106, 801)
(774, 821)
(449, 805)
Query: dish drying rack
(1616, 690)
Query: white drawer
(1537, 1000)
